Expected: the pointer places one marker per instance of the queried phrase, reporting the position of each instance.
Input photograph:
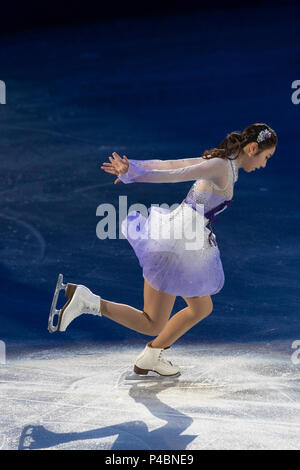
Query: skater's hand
(117, 165)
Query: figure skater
(169, 268)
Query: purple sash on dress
(210, 215)
(215, 210)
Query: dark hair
(236, 141)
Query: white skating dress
(176, 250)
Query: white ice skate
(151, 360)
(81, 300)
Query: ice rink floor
(240, 396)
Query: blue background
(165, 85)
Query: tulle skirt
(173, 249)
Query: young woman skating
(173, 266)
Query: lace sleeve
(167, 164)
(145, 171)
(140, 167)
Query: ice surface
(75, 95)
(228, 397)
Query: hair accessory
(263, 135)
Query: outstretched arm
(166, 164)
(134, 168)
(214, 170)
(168, 171)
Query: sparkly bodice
(209, 194)
(213, 198)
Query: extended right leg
(150, 321)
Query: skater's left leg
(197, 309)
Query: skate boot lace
(160, 358)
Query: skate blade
(53, 311)
(151, 376)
